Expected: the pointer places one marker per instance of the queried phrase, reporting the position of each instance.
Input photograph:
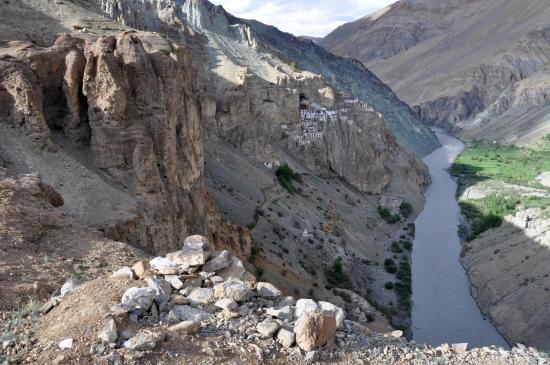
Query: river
(443, 309)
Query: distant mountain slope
(454, 59)
(346, 76)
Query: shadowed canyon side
(478, 67)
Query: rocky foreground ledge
(196, 306)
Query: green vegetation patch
(336, 277)
(386, 215)
(406, 209)
(287, 177)
(511, 164)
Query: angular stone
(314, 329)
(201, 296)
(108, 333)
(70, 287)
(267, 328)
(123, 273)
(195, 252)
(304, 306)
(338, 312)
(236, 270)
(174, 280)
(267, 290)
(396, 334)
(233, 289)
(226, 304)
(144, 340)
(66, 344)
(141, 268)
(162, 288)
(185, 328)
(284, 313)
(187, 313)
(164, 266)
(285, 301)
(286, 337)
(138, 297)
(311, 356)
(219, 262)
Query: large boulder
(268, 290)
(338, 312)
(164, 266)
(162, 288)
(138, 297)
(201, 296)
(195, 252)
(236, 270)
(233, 289)
(314, 329)
(305, 306)
(219, 262)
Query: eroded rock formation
(130, 101)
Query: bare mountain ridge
(469, 65)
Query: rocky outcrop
(130, 102)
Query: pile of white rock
(197, 290)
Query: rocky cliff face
(128, 103)
(459, 63)
(128, 100)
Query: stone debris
(255, 319)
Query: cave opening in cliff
(83, 119)
(6, 105)
(54, 107)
